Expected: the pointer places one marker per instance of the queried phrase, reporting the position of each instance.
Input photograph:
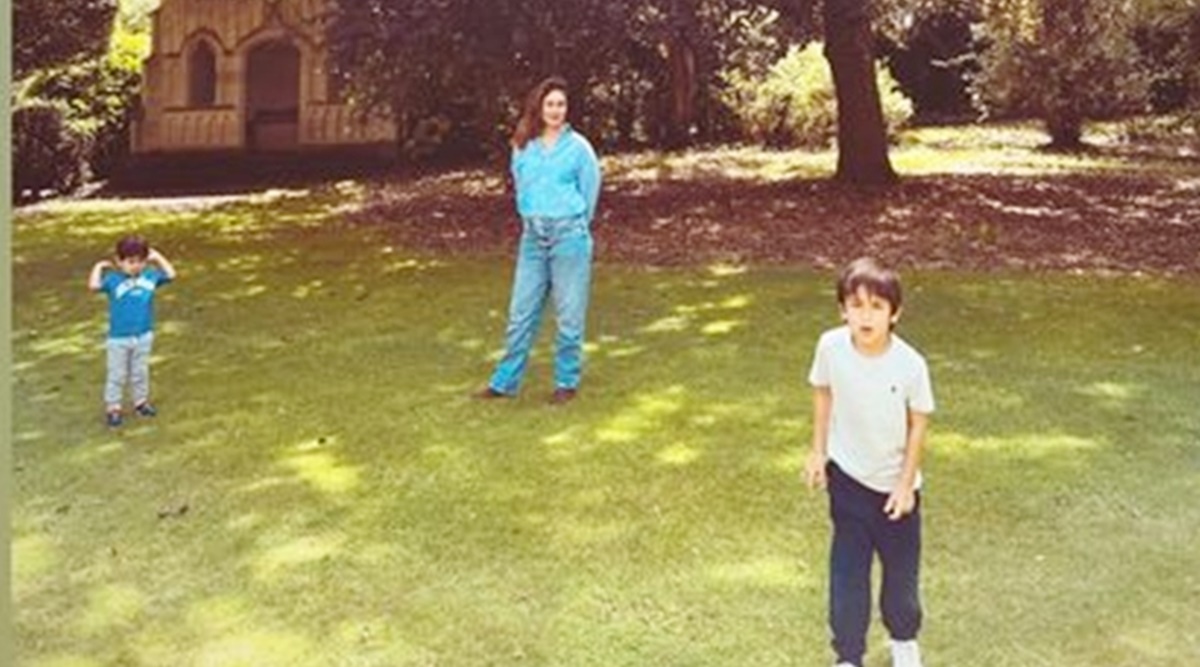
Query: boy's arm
(96, 277)
(903, 499)
(818, 456)
(163, 263)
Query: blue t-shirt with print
(131, 301)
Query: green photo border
(7, 633)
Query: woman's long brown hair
(530, 126)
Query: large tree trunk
(861, 136)
(1061, 20)
(626, 112)
(1064, 124)
(681, 59)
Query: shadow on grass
(1118, 222)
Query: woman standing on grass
(557, 180)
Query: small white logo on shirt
(132, 284)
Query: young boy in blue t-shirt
(872, 397)
(130, 283)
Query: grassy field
(319, 489)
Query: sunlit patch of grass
(1027, 447)
(645, 415)
(721, 327)
(1003, 148)
(766, 573)
(112, 608)
(34, 555)
(255, 648)
(726, 270)
(219, 614)
(1018, 135)
(97, 224)
(301, 551)
(737, 163)
(1146, 640)
(76, 343)
(66, 661)
(923, 160)
(678, 454)
(322, 471)
(667, 324)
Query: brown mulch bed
(1120, 222)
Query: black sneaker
(146, 410)
(113, 419)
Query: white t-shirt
(868, 422)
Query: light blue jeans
(128, 362)
(555, 259)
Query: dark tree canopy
(642, 73)
(451, 73)
(47, 33)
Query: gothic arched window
(202, 76)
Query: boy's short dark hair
(133, 246)
(866, 272)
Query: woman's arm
(589, 178)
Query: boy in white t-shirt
(872, 397)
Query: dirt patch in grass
(1123, 222)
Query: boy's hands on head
(900, 503)
(153, 255)
(814, 470)
(97, 272)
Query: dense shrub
(934, 57)
(795, 103)
(98, 95)
(48, 153)
(71, 121)
(1168, 46)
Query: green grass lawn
(348, 504)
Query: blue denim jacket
(559, 182)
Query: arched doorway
(273, 96)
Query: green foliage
(134, 15)
(1047, 58)
(752, 40)
(98, 96)
(413, 59)
(794, 104)
(50, 33)
(1061, 61)
(934, 57)
(93, 99)
(1167, 34)
(48, 153)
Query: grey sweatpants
(128, 361)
